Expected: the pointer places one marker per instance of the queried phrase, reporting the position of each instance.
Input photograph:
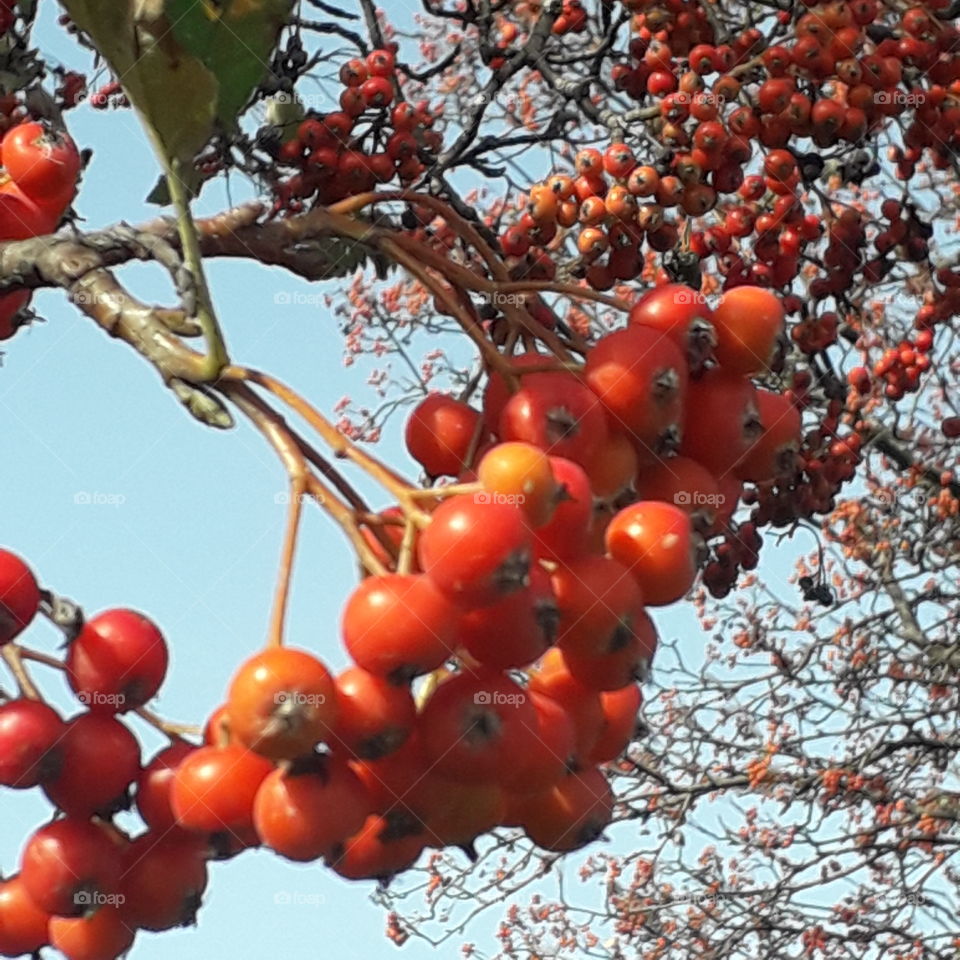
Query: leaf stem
(216, 358)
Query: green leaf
(341, 256)
(174, 93)
(234, 39)
(160, 194)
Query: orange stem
(13, 655)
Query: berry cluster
(615, 218)
(676, 30)
(828, 43)
(573, 18)
(366, 142)
(83, 886)
(740, 550)
(826, 461)
(838, 77)
(900, 368)
(40, 166)
(663, 418)
(496, 658)
(906, 232)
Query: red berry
(164, 877)
(153, 786)
(117, 662)
(44, 163)
(100, 760)
(19, 596)
(380, 63)
(440, 432)
(30, 733)
(353, 73)
(476, 550)
(68, 864)
(377, 91)
(399, 627)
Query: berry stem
(463, 228)
(284, 442)
(405, 559)
(414, 255)
(297, 470)
(298, 487)
(13, 655)
(566, 289)
(411, 261)
(430, 683)
(341, 445)
(174, 731)
(448, 490)
(417, 254)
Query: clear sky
(117, 498)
